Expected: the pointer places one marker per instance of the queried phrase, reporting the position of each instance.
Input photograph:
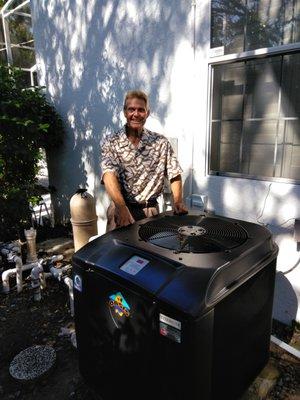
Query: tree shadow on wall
(89, 56)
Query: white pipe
(19, 278)
(68, 281)
(58, 272)
(285, 346)
(37, 280)
(57, 257)
(10, 272)
(5, 251)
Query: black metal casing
(189, 325)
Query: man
(134, 164)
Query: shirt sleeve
(108, 159)
(173, 168)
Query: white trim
(208, 119)
(6, 5)
(255, 53)
(17, 46)
(14, 9)
(22, 14)
(7, 41)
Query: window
(242, 25)
(255, 105)
(255, 126)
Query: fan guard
(193, 234)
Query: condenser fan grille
(195, 234)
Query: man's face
(136, 114)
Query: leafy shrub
(28, 123)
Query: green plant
(28, 123)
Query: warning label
(170, 332)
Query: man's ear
(148, 112)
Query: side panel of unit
(242, 329)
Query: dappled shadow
(88, 56)
(285, 300)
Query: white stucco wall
(89, 53)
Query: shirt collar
(124, 142)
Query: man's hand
(180, 209)
(176, 187)
(123, 216)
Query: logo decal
(119, 304)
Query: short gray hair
(136, 94)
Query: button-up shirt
(141, 170)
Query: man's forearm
(113, 188)
(176, 188)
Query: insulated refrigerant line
(286, 346)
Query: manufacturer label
(170, 321)
(170, 328)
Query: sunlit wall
(89, 53)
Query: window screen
(255, 128)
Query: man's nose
(135, 112)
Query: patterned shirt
(141, 170)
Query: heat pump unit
(175, 308)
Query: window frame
(231, 59)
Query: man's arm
(112, 187)
(176, 188)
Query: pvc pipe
(37, 280)
(10, 272)
(286, 346)
(56, 273)
(5, 251)
(19, 279)
(68, 281)
(57, 257)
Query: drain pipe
(68, 281)
(10, 272)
